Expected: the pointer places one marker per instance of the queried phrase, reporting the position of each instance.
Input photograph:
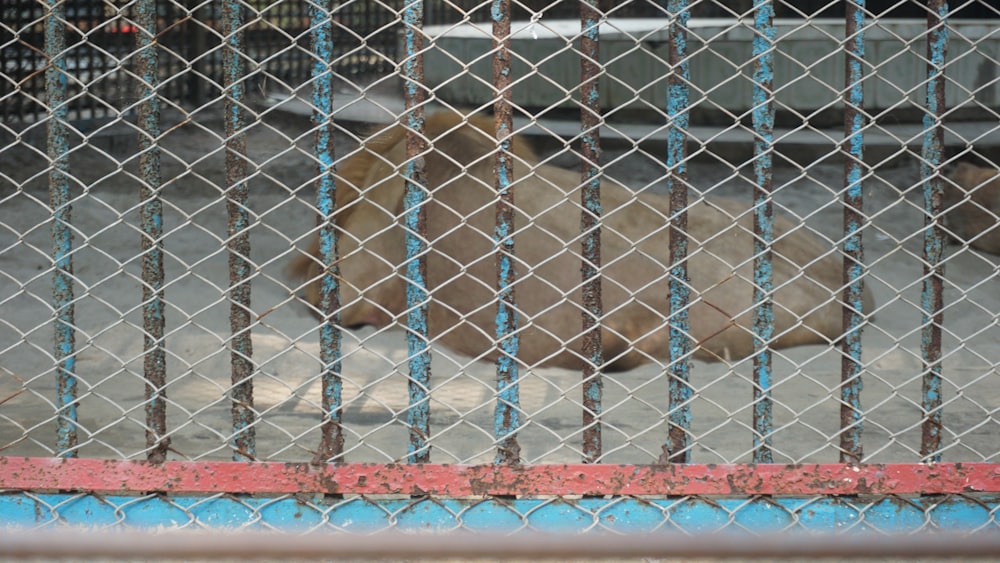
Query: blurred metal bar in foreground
(253, 545)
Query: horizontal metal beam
(109, 476)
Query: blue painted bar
(415, 221)
(932, 295)
(237, 197)
(590, 227)
(507, 415)
(677, 449)
(151, 219)
(331, 446)
(64, 345)
(851, 413)
(763, 222)
(367, 515)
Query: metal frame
(632, 497)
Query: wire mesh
(838, 172)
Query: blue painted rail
(507, 417)
(677, 448)
(151, 217)
(932, 296)
(63, 301)
(851, 414)
(244, 442)
(415, 222)
(331, 446)
(763, 227)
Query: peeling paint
(763, 313)
(590, 227)
(932, 299)
(851, 413)
(676, 449)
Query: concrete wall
(809, 65)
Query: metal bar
(496, 544)
(590, 227)
(415, 210)
(115, 476)
(331, 446)
(763, 226)
(237, 191)
(151, 218)
(677, 448)
(507, 419)
(851, 414)
(932, 298)
(64, 344)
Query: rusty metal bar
(529, 480)
(331, 446)
(677, 449)
(237, 191)
(507, 415)
(932, 298)
(415, 220)
(64, 344)
(763, 225)
(851, 414)
(151, 218)
(590, 227)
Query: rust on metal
(851, 415)
(57, 142)
(506, 418)
(240, 267)
(763, 227)
(415, 220)
(677, 448)
(590, 227)
(119, 476)
(151, 218)
(932, 296)
(331, 446)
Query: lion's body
(461, 268)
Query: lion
(461, 268)
(972, 203)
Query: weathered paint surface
(677, 447)
(590, 227)
(331, 445)
(763, 225)
(932, 296)
(507, 418)
(633, 516)
(115, 476)
(151, 219)
(237, 197)
(415, 221)
(64, 344)
(851, 414)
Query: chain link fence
(760, 283)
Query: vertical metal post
(507, 419)
(590, 227)
(676, 450)
(331, 446)
(932, 299)
(151, 218)
(415, 220)
(64, 344)
(241, 347)
(763, 225)
(851, 415)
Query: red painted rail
(116, 476)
